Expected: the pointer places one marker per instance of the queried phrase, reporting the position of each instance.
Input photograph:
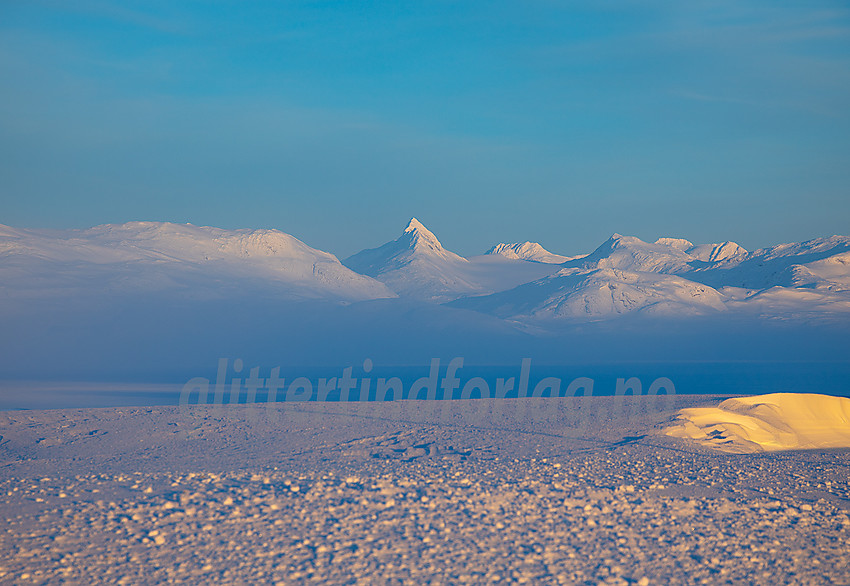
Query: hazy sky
(560, 122)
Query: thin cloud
(121, 13)
(703, 97)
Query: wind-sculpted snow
(189, 261)
(768, 423)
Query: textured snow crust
(575, 491)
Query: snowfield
(599, 293)
(180, 259)
(570, 491)
(529, 251)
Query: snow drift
(768, 423)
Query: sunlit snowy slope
(529, 251)
(768, 423)
(673, 277)
(181, 259)
(600, 293)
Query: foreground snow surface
(572, 491)
(768, 423)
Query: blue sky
(560, 122)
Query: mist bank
(158, 338)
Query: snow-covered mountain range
(521, 282)
(149, 299)
(416, 265)
(672, 276)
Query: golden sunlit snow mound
(768, 423)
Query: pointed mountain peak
(418, 236)
(415, 264)
(414, 225)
